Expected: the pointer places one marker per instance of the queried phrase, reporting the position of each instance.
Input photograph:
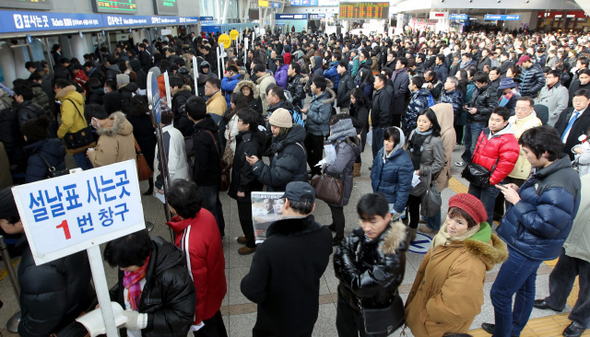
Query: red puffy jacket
(206, 263)
(502, 145)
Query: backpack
(430, 100)
(297, 117)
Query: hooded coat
(319, 113)
(72, 115)
(115, 144)
(254, 103)
(444, 115)
(199, 238)
(371, 269)
(263, 83)
(52, 150)
(284, 279)
(288, 161)
(392, 175)
(111, 73)
(168, 296)
(500, 149)
(448, 290)
(347, 150)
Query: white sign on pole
(167, 85)
(154, 98)
(64, 215)
(218, 66)
(196, 75)
(245, 50)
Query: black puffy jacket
(532, 81)
(168, 296)
(295, 87)
(381, 113)
(455, 98)
(288, 162)
(485, 99)
(52, 294)
(345, 87)
(127, 92)
(371, 270)
(181, 121)
(29, 110)
(52, 150)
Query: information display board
(166, 7)
(364, 10)
(27, 4)
(115, 6)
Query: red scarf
(131, 282)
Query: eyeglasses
(580, 99)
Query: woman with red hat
(448, 290)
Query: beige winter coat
(445, 116)
(263, 83)
(522, 168)
(116, 142)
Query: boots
(357, 170)
(150, 190)
(410, 236)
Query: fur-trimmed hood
(393, 238)
(249, 84)
(293, 226)
(120, 126)
(490, 253)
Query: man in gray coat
(573, 261)
(554, 96)
(318, 121)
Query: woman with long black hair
(427, 152)
(366, 81)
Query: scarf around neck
(131, 283)
(444, 238)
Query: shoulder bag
(52, 172)
(476, 174)
(431, 199)
(81, 139)
(225, 179)
(144, 172)
(383, 320)
(327, 188)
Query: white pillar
(225, 10)
(79, 46)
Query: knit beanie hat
(281, 118)
(470, 204)
(342, 128)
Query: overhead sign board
(28, 21)
(290, 16)
(27, 4)
(114, 6)
(364, 10)
(166, 7)
(459, 17)
(493, 17)
(206, 19)
(304, 2)
(65, 215)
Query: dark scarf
(415, 146)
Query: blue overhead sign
(25, 21)
(458, 17)
(275, 5)
(206, 19)
(492, 17)
(290, 16)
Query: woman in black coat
(167, 302)
(249, 142)
(359, 111)
(250, 90)
(144, 132)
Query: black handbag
(51, 171)
(476, 174)
(81, 139)
(431, 199)
(384, 320)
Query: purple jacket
(281, 76)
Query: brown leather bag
(225, 167)
(328, 189)
(144, 172)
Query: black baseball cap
(297, 190)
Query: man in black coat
(145, 58)
(207, 166)
(400, 80)
(284, 279)
(345, 86)
(574, 121)
(381, 112)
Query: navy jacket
(539, 223)
(392, 176)
(53, 151)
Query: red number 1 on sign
(66, 228)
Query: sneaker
(426, 230)
(460, 164)
(246, 250)
(242, 240)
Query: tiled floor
(239, 314)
